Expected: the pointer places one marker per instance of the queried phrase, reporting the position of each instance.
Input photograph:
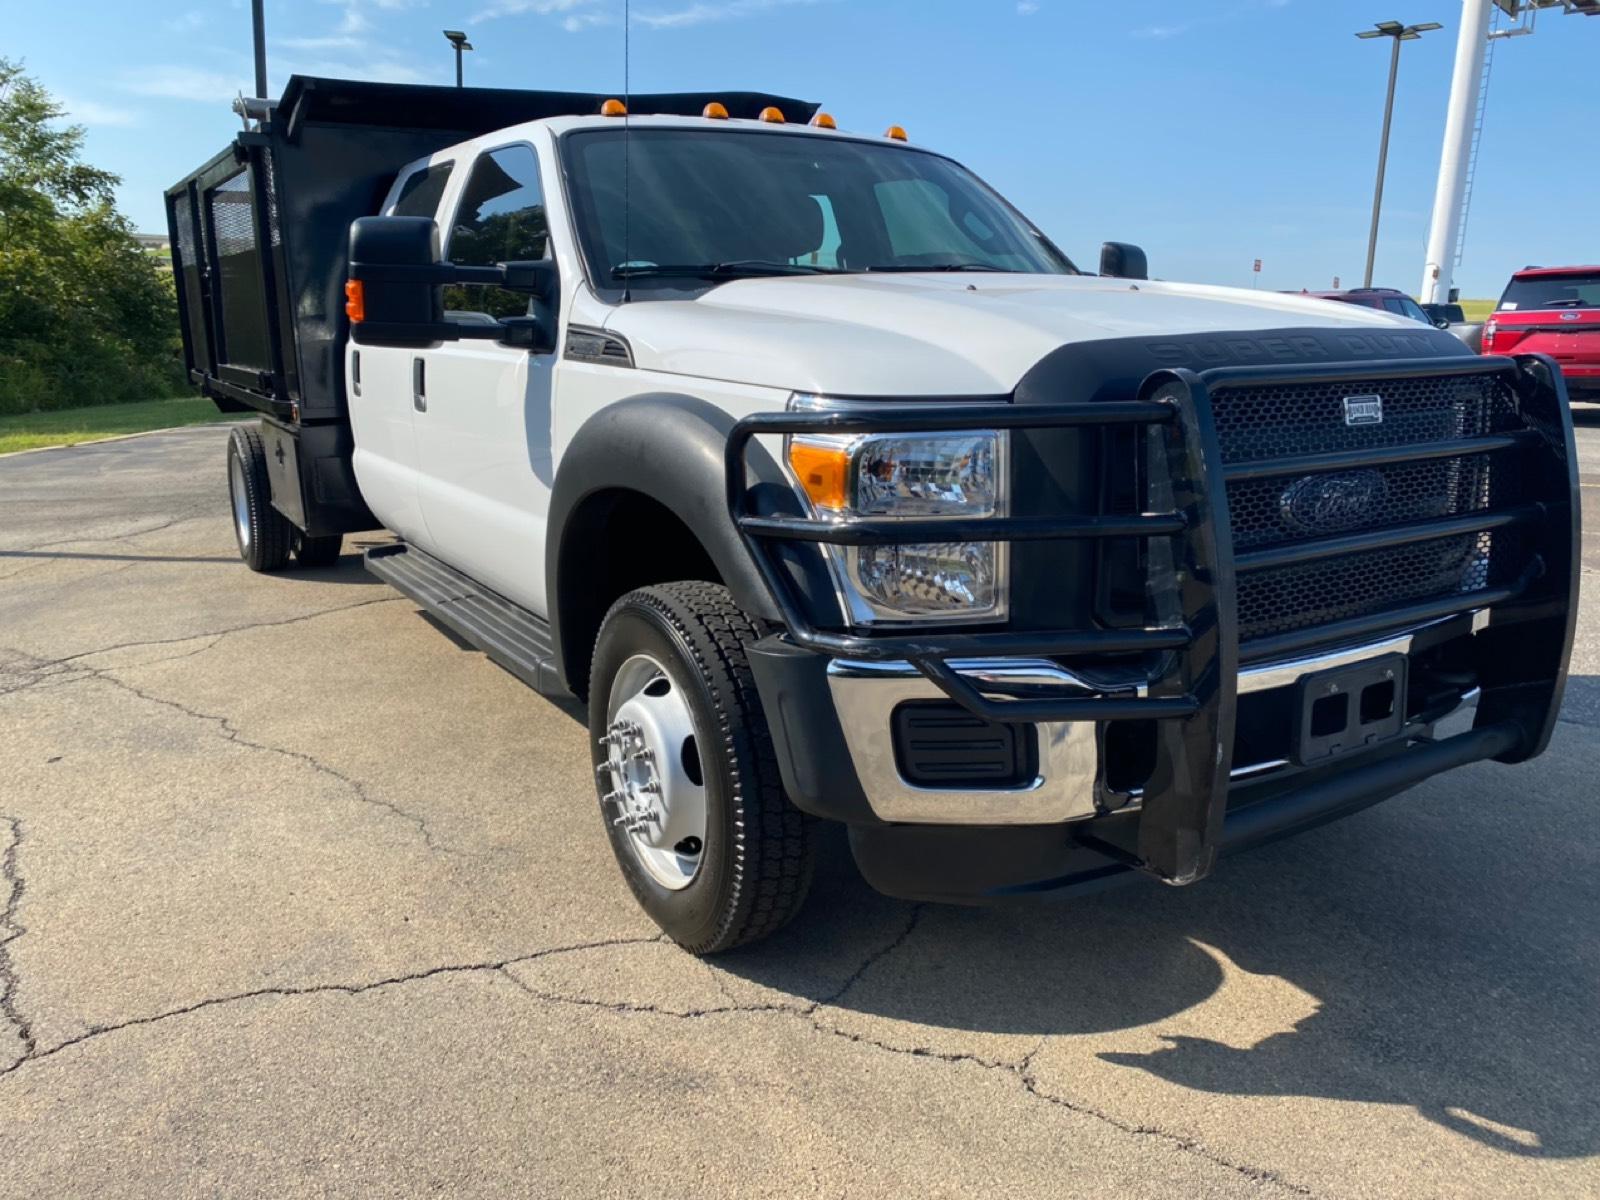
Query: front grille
(1263, 514)
(1355, 585)
(1283, 421)
(1298, 504)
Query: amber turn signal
(355, 300)
(823, 121)
(774, 115)
(613, 108)
(895, 132)
(823, 471)
(714, 112)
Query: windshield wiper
(738, 269)
(1575, 302)
(908, 268)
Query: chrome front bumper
(865, 695)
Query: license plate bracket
(1350, 708)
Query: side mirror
(395, 277)
(1122, 260)
(396, 295)
(1441, 322)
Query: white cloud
(584, 10)
(91, 112)
(188, 22)
(382, 70)
(703, 11)
(333, 41)
(173, 82)
(1162, 32)
(1026, 8)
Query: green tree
(86, 316)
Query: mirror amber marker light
(355, 300)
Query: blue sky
(1211, 133)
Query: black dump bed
(265, 330)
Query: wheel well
(615, 541)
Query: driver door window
(501, 218)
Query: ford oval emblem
(1325, 503)
(1571, 316)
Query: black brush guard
(1191, 695)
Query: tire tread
(774, 855)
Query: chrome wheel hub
(652, 785)
(241, 502)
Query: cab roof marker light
(824, 121)
(714, 112)
(771, 115)
(613, 108)
(895, 132)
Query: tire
(754, 864)
(317, 551)
(263, 533)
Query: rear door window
(421, 192)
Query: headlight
(917, 476)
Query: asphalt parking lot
(301, 896)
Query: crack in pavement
(217, 634)
(13, 929)
(18, 551)
(35, 1055)
(232, 733)
(808, 1012)
(1021, 1068)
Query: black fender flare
(670, 448)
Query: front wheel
(688, 781)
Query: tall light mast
(1444, 234)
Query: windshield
(1552, 291)
(709, 205)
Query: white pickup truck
(837, 492)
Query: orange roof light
(823, 469)
(714, 112)
(823, 121)
(775, 116)
(895, 132)
(613, 108)
(355, 300)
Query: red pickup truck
(1554, 311)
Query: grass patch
(1477, 310)
(69, 426)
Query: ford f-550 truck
(838, 492)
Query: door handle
(419, 385)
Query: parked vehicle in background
(1390, 300)
(1451, 317)
(1554, 311)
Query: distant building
(157, 245)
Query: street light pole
(258, 32)
(1397, 33)
(458, 39)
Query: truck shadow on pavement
(1437, 952)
